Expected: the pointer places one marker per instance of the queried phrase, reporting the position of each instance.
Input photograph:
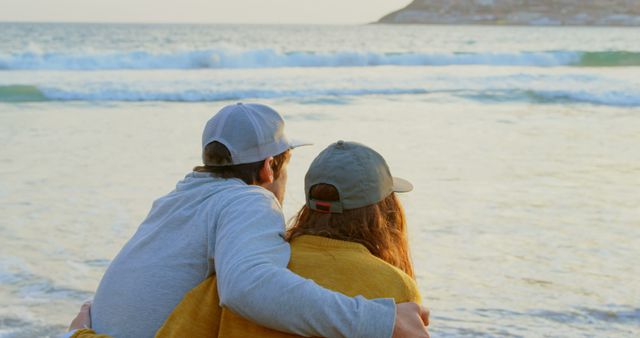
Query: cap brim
(295, 143)
(401, 185)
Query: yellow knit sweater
(342, 266)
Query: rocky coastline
(519, 12)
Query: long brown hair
(380, 227)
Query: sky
(200, 11)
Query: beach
(523, 150)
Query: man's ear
(266, 173)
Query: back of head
(216, 153)
(251, 132)
(240, 137)
(355, 204)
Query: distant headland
(519, 12)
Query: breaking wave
(269, 58)
(25, 93)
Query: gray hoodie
(208, 226)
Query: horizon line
(185, 23)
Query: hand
(411, 321)
(83, 319)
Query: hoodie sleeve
(251, 256)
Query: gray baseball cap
(359, 173)
(252, 132)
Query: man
(225, 219)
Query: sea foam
(270, 58)
(541, 96)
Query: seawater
(522, 144)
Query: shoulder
(234, 192)
(251, 195)
(242, 202)
(405, 286)
(410, 287)
(351, 268)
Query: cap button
(340, 143)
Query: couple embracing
(213, 257)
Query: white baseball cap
(251, 132)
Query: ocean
(522, 144)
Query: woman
(350, 236)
